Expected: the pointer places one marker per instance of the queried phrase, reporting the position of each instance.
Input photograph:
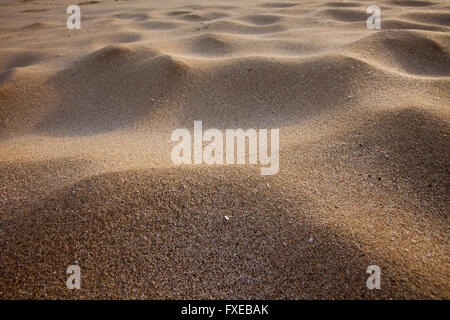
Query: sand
(86, 175)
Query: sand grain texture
(85, 170)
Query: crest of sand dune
(86, 176)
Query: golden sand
(86, 175)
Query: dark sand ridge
(86, 174)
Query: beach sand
(86, 175)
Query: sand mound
(86, 177)
(408, 139)
(294, 92)
(408, 51)
(119, 37)
(110, 55)
(11, 59)
(209, 44)
(25, 100)
(155, 226)
(146, 78)
(130, 77)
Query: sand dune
(412, 52)
(87, 177)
